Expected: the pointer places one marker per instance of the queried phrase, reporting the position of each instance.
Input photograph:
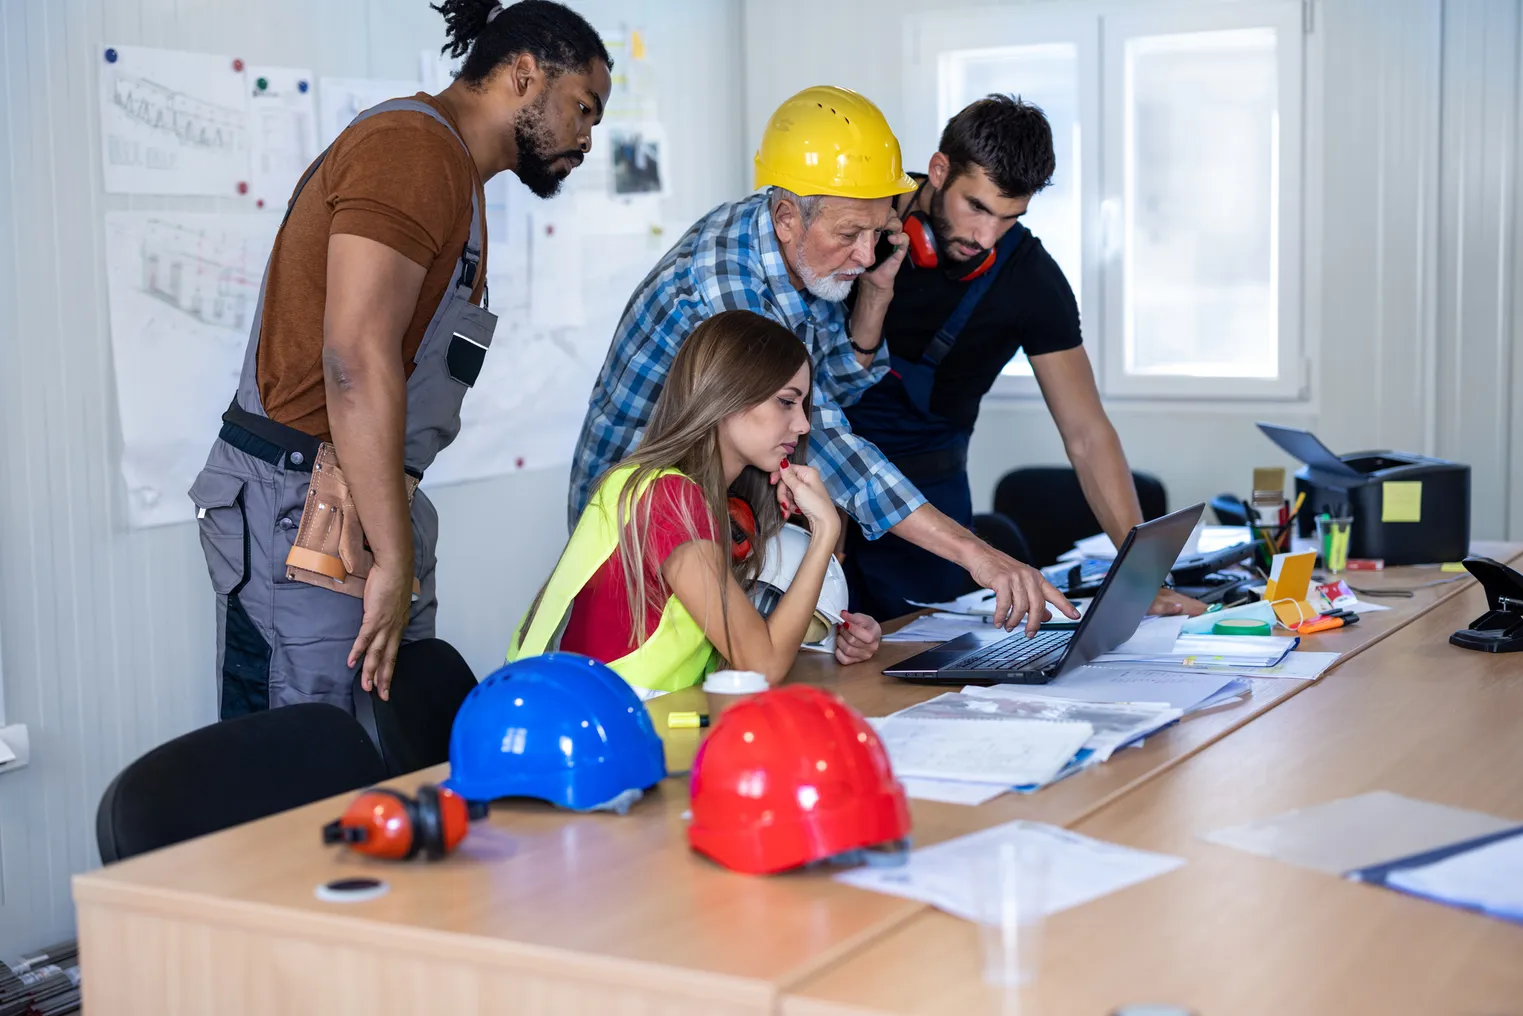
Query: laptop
(1000, 657)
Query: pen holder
(1332, 541)
(1267, 542)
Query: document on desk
(1006, 753)
(1112, 724)
(1182, 689)
(1080, 869)
(1219, 651)
(1484, 875)
(1297, 666)
(1357, 832)
(936, 628)
(950, 791)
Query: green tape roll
(1240, 626)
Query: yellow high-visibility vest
(677, 655)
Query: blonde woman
(650, 582)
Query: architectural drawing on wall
(183, 289)
(526, 409)
(283, 116)
(173, 122)
(343, 99)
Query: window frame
(1099, 32)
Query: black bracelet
(866, 352)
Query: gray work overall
(282, 641)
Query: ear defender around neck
(742, 528)
(924, 253)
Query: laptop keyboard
(1014, 652)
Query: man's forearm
(1106, 480)
(867, 318)
(367, 409)
(929, 529)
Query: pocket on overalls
(218, 498)
(470, 336)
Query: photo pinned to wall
(283, 113)
(639, 156)
(173, 122)
(343, 99)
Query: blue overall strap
(946, 336)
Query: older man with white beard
(826, 172)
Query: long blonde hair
(731, 362)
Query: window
(1175, 208)
(1049, 77)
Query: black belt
(921, 467)
(273, 442)
(265, 439)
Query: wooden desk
(1236, 933)
(543, 911)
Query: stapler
(1500, 629)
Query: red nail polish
(784, 465)
(846, 625)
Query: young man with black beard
(970, 253)
(369, 332)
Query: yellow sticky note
(1453, 566)
(637, 45)
(1401, 501)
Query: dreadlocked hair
(487, 36)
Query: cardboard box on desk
(1407, 509)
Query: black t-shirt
(1030, 306)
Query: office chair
(1001, 534)
(412, 728)
(234, 772)
(1048, 507)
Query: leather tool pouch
(330, 549)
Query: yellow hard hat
(828, 140)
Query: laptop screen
(1141, 565)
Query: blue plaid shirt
(730, 260)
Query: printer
(1407, 509)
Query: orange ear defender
(742, 528)
(385, 823)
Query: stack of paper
(1226, 652)
(977, 751)
(1079, 869)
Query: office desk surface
(545, 911)
(1232, 932)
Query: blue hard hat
(561, 727)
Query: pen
(686, 721)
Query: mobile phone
(883, 251)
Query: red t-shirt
(599, 623)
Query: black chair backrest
(1047, 505)
(1229, 510)
(234, 772)
(1002, 534)
(412, 727)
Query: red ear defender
(385, 823)
(922, 239)
(923, 252)
(742, 528)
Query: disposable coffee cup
(725, 688)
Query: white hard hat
(780, 563)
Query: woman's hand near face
(800, 489)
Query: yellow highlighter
(686, 721)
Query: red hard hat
(791, 776)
